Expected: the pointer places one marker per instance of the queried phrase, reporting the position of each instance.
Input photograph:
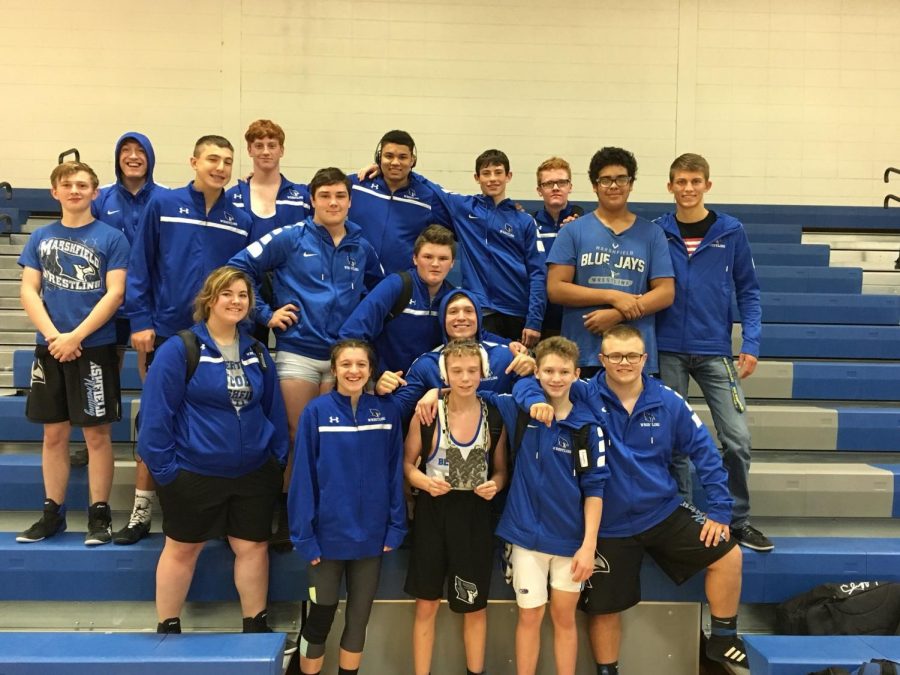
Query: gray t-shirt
(238, 387)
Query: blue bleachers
(791, 279)
(799, 655)
(868, 429)
(773, 233)
(822, 341)
(830, 308)
(16, 428)
(778, 254)
(90, 653)
(850, 381)
(23, 358)
(62, 568)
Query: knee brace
(315, 630)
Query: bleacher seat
(780, 254)
(795, 279)
(830, 308)
(802, 654)
(96, 653)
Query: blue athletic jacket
(545, 508)
(391, 221)
(640, 492)
(194, 425)
(325, 282)
(178, 244)
(501, 257)
(547, 229)
(115, 205)
(399, 341)
(700, 319)
(292, 205)
(346, 495)
(424, 374)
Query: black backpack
(192, 353)
(873, 667)
(403, 299)
(851, 608)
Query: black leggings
(324, 586)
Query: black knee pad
(318, 623)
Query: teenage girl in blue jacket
(345, 504)
(215, 443)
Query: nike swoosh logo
(109, 213)
(309, 255)
(472, 217)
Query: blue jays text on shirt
(612, 260)
(70, 265)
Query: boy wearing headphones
(456, 472)
(395, 205)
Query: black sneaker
(749, 537)
(132, 533)
(260, 624)
(728, 650)
(52, 522)
(79, 458)
(169, 626)
(99, 525)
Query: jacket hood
(442, 312)
(148, 149)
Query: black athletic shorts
(675, 546)
(452, 547)
(198, 508)
(84, 392)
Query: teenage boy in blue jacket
(501, 257)
(552, 513)
(646, 423)
(461, 319)
(183, 235)
(399, 338)
(392, 204)
(554, 185)
(321, 268)
(121, 204)
(610, 266)
(712, 261)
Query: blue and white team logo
(375, 415)
(228, 219)
(411, 194)
(562, 445)
(37, 373)
(351, 264)
(293, 194)
(648, 419)
(508, 230)
(70, 265)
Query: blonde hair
(217, 281)
(558, 345)
(552, 164)
(67, 169)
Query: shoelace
(139, 515)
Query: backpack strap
(192, 352)
(403, 299)
(522, 420)
(495, 428)
(427, 432)
(260, 352)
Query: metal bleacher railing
(888, 198)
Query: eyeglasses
(549, 184)
(607, 181)
(633, 358)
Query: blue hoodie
(398, 341)
(424, 374)
(115, 205)
(177, 246)
(545, 508)
(292, 204)
(391, 221)
(640, 492)
(700, 319)
(501, 257)
(346, 494)
(547, 229)
(324, 281)
(194, 425)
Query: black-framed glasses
(550, 184)
(608, 181)
(632, 357)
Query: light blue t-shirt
(73, 262)
(605, 260)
